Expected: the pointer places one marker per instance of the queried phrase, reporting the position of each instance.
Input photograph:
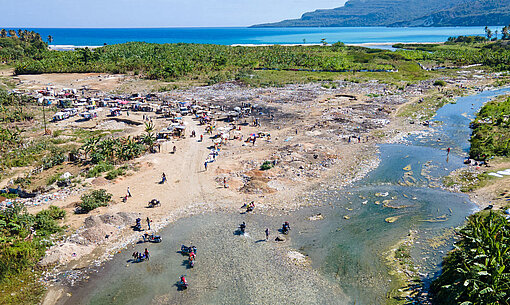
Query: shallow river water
(345, 249)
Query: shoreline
(363, 44)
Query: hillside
(405, 13)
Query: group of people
(141, 256)
(285, 230)
(354, 138)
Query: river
(345, 249)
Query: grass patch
(22, 289)
(99, 168)
(467, 181)
(425, 108)
(113, 174)
(491, 130)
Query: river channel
(345, 250)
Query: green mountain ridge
(359, 13)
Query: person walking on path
(225, 182)
(205, 165)
(201, 138)
(267, 234)
(149, 222)
(146, 254)
(163, 178)
(128, 192)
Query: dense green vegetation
(21, 44)
(23, 240)
(491, 130)
(168, 61)
(477, 270)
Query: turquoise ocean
(229, 36)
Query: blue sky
(154, 13)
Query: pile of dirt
(100, 181)
(256, 185)
(97, 229)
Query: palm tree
(488, 33)
(50, 39)
(505, 32)
(12, 33)
(149, 138)
(3, 33)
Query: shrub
(53, 179)
(54, 212)
(45, 225)
(266, 165)
(56, 158)
(23, 181)
(93, 200)
(440, 83)
(115, 173)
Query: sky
(153, 13)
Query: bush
(93, 200)
(54, 212)
(56, 158)
(23, 181)
(45, 225)
(266, 165)
(115, 173)
(440, 83)
(53, 179)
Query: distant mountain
(406, 13)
